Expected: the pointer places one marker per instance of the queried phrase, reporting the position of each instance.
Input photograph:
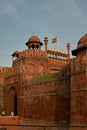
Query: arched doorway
(13, 101)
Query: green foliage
(1, 87)
(45, 77)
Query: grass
(1, 87)
(45, 77)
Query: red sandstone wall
(3, 73)
(9, 121)
(1, 101)
(47, 101)
(78, 91)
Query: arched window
(33, 46)
(37, 46)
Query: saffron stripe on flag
(54, 40)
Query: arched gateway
(13, 101)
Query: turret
(46, 43)
(81, 49)
(34, 43)
(78, 90)
(68, 51)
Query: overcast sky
(20, 19)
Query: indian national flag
(54, 40)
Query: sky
(20, 19)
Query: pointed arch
(13, 100)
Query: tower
(78, 90)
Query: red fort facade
(46, 86)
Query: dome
(34, 42)
(81, 47)
(34, 39)
(82, 42)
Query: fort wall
(48, 101)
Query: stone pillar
(46, 43)
(68, 51)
